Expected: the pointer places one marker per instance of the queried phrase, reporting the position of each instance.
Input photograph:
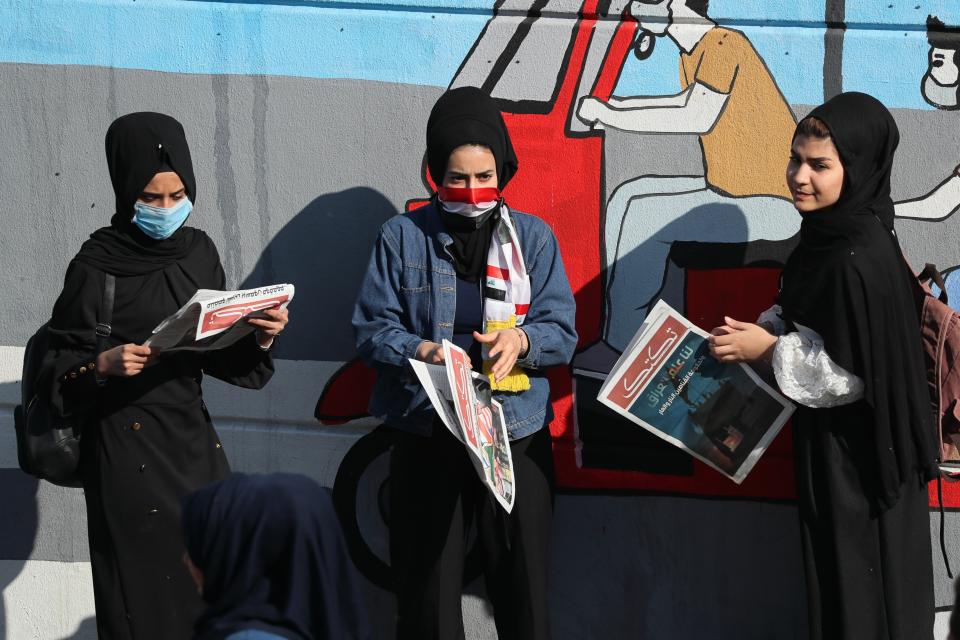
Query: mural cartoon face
(943, 66)
(941, 82)
(814, 173)
(654, 16)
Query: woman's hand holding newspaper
(268, 328)
(738, 341)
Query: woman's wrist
(264, 341)
(100, 368)
(426, 351)
(767, 355)
(524, 342)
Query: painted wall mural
(652, 136)
(708, 241)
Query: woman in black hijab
(271, 563)
(469, 269)
(147, 439)
(851, 355)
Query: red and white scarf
(506, 294)
(506, 283)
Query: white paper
(723, 414)
(216, 319)
(462, 399)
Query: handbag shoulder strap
(105, 314)
(930, 272)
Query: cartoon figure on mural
(559, 86)
(732, 102)
(939, 87)
(941, 82)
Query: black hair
(941, 36)
(812, 127)
(699, 6)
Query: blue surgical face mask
(160, 223)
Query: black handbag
(48, 445)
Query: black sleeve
(243, 363)
(67, 378)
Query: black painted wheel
(361, 496)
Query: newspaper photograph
(212, 319)
(667, 382)
(463, 400)
(433, 379)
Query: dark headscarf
(273, 558)
(467, 115)
(847, 280)
(138, 146)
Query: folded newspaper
(212, 319)
(463, 401)
(667, 382)
(950, 458)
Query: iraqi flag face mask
(466, 202)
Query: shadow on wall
(603, 544)
(652, 264)
(22, 496)
(323, 251)
(86, 631)
(18, 530)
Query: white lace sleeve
(806, 374)
(771, 318)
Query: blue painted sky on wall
(410, 46)
(424, 41)
(890, 63)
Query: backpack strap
(105, 314)
(943, 539)
(930, 272)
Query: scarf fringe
(515, 381)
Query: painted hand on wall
(940, 87)
(695, 110)
(935, 206)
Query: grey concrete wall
(306, 122)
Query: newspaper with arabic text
(464, 404)
(212, 319)
(667, 382)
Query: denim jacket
(408, 295)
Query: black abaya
(869, 574)
(149, 444)
(862, 467)
(147, 440)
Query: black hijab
(467, 115)
(138, 146)
(273, 558)
(847, 280)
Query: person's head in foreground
(269, 558)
